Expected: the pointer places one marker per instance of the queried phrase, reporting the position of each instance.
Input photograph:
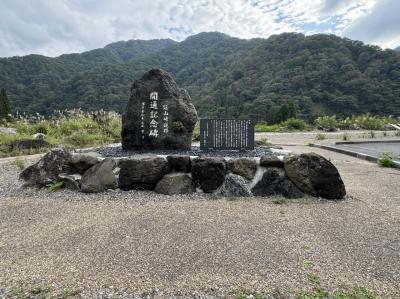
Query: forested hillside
(266, 79)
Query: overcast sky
(54, 27)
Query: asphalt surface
(122, 243)
(373, 149)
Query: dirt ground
(205, 245)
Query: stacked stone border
(278, 173)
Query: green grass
(386, 160)
(320, 136)
(54, 187)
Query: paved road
(373, 149)
(132, 242)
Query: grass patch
(345, 137)
(320, 136)
(66, 293)
(19, 163)
(55, 186)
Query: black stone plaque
(226, 134)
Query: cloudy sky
(54, 27)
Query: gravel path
(124, 243)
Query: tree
(4, 105)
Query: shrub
(326, 122)
(386, 160)
(320, 136)
(345, 137)
(295, 124)
(265, 128)
(196, 132)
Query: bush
(320, 136)
(386, 160)
(196, 132)
(295, 124)
(326, 122)
(345, 137)
(265, 128)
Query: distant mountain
(397, 49)
(226, 76)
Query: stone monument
(159, 114)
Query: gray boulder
(208, 173)
(100, 177)
(80, 162)
(175, 183)
(71, 181)
(179, 162)
(271, 160)
(275, 182)
(234, 185)
(315, 175)
(141, 173)
(159, 114)
(39, 136)
(245, 167)
(47, 169)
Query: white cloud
(53, 27)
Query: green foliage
(386, 160)
(5, 110)
(295, 124)
(66, 293)
(265, 128)
(269, 80)
(320, 136)
(326, 122)
(55, 186)
(196, 132)
(345, 137)
(20, 164)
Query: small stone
(175, 183)
(71, 181)
(100, 177)
(179, 162)
(271, 160)
(208, 173)
(39, 136)
(245, 167)
(234, 185)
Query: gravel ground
(121, 244)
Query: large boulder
(80, 162)
(159, 114)
(141, 173)
(175, 183)
(179, 162)
(48, 168)
(234, 185)
(275, 182)
(100, 177)
(208, 173)
(245, 167)
(315, 175)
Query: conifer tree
(4, 105)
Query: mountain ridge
(226, 76)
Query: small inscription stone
(226, 134)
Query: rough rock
(80, 162)
(8, 131)
(48, 168)
(245, 167)
(71, 181)
(179, 162)
(234, 185)
(271, 160)
(29, 144)
(175, 183)
(180, 121)
(208, 173)
(315, 175)
(39, 136)
(275, 182)
(100, 177)
(141, 173)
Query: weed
(386, 160)
(279, 201)
(384, 133)
(70, 292)
(19, 293)
(371, 134)
(20, 164)
(42, 291)
(314, 278)
(308, 264)
(345, 137)
(320, 136)
(263, 141)
(55, 186)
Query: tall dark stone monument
(159, 114)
